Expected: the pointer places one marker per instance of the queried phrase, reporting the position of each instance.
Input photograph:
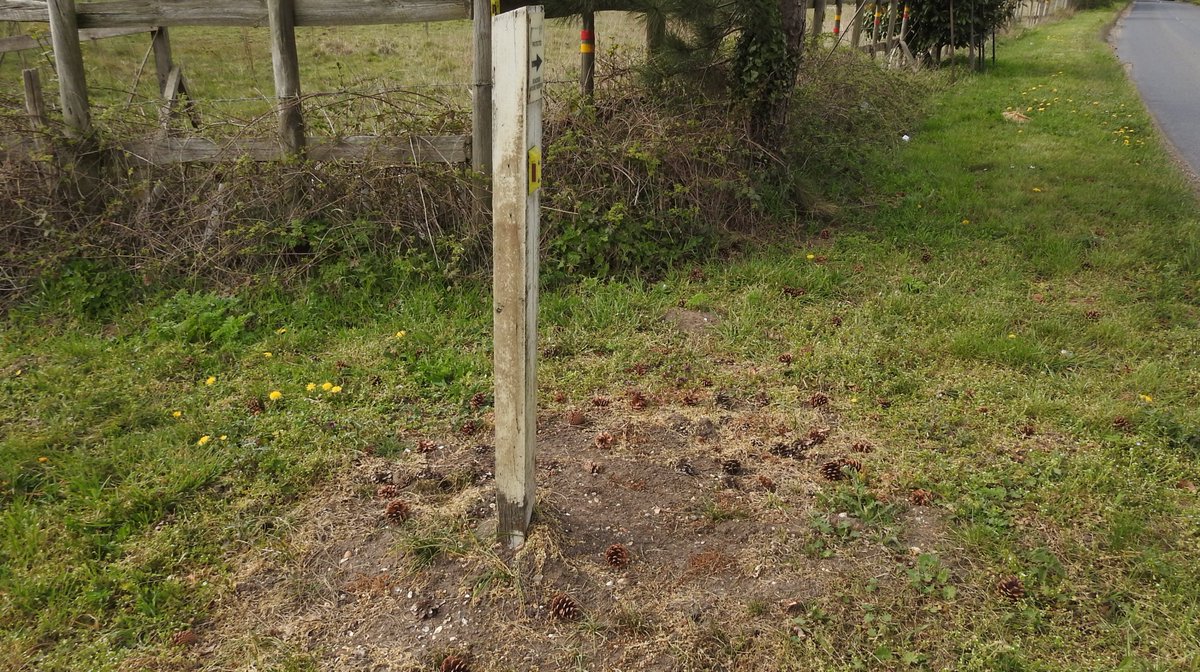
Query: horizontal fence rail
(138, 13)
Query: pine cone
(836, 320)
(478, 401)
(576, 418)
(255, 406)
(185, 638)
(766, 483)
(785, 358)
(605, 441)
(600, 402)
(1011, 587)
(564, 607)
(921, 497)
(691, 399)
(723, 400)
(454, 664)
(426, 446)
(792, 450)
(818, 400)
(794, 292)
(862, 447)
(382, 477)
(731, 467)
(617, 556)
(387, 491)
(1122, 423)
(1093, 315)
(835, 470)
(817, 435)
(398, 511)
(637, 400)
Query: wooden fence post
(68, 60)
(35, 104)
(519, 61)
(818, 26)
(587, 56)
(481, 110)
(891, 29)
(281, 16)
(856, 26)
(161, 41)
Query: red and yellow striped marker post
(837, 19)
(587, 55)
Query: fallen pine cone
(818, 400)
(617, 556)
(921, 497)
(731, 467)
(1011, 587)
(637, 400)
(835, 470)
(387, 491)
(600, 402)
(398, 511)
(766, 483)
(564, 607)
(426, 446)
(785, 358)
(454, 664)
(185, 638)
(862, 447)
(605, 441)
(255, 406)
(478, 401)
(576, 418)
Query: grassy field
(1005, 324)
(229, 69)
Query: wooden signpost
(518, 61)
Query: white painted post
(518, 61)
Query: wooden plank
(23, 42)
(68, 61)
(286, 66)
(433, 149)
(35, 104)
(128, 13)
(170, 98)
(163, 63)
(516, 131)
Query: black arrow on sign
(537, 62)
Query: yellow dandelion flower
(401, 334)
(203, 440)
(310, 387)
(1012, 335)
(281, 330)
(811, 256)
(854, 400)
(1146, 398)
(223, 437)
(1037, 190)
(335, 389)
(327, 386)
(177, 414)
(19, 371)
(267, 355)
(43, 459)
(210, 380)
(275, 395)
(966, 221)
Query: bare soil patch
(715, 508)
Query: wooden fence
(70, 23)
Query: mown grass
(1018, 329)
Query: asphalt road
(1160, 40)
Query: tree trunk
(769, 116)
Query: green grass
(999, 276)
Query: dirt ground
(714, 499)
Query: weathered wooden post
(481, 110)
(35, 104)
(837, 19)
(518, 59)
(160, 40)
(891, 29)
(68, 61)
(281, 16)
(818, 26)
(856, 26)
(587, 56)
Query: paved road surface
(1161, 41)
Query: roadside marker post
(518, 62)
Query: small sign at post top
(537, 61)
